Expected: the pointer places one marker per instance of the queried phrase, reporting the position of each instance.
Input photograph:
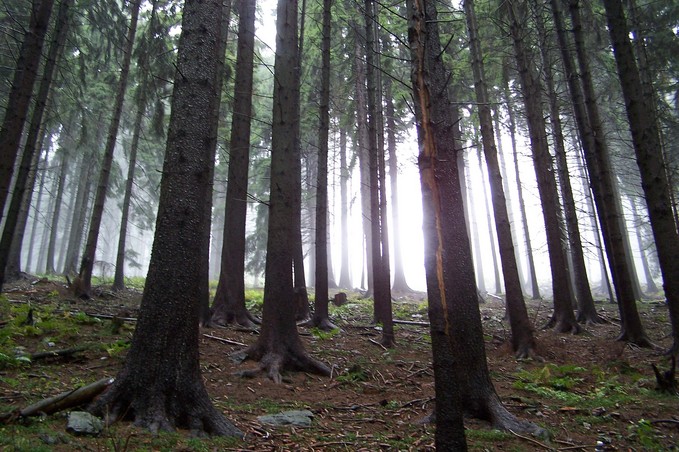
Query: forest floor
(588, 389)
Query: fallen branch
(54, 353)
(665, 421)
(106, 316)
(65, 400)
(378, 344)
(411, 322)
(225, 341)
(543, 445)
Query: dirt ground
(589, 389)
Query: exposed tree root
(673, 350)
(640, 340)
(323, 324)
(273, 363)
(240, 317)
(590, 319)
(160, 409)
(562, 326)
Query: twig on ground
(225, 341)
(534, 441)
(377, 343)
(61, 353)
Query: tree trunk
(320, 318)
(87, 262)
(362, 146)
(461, 377)
(345, 277)
(533, 280)
(400, 284)
(13, 230)
(523, 342)
(508, 194)
(489, 222)
(380, 254)
(647, 148)
(20, 94)
(80, 211)
(651, 288)
(600, 174)
(41, 167)
(563, 319)
(279, 346)
(586, 309)
(170, 310)
(229, 302)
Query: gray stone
(83, 423)
(297, 418)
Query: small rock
(83, 423)
(297, 418)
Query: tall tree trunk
(638, 221)
(119, 275)
(400, 284)
(40, 167)
(320, 318)
(363, 158)
(533, 280)
(563, 319)
(58, 201)
(229, 302)
(586, 309)
(87, 262)
(508, 194)
(380, 255)
(489, 222)
(13, 230)
(523, 342)
(600, 174)
(345, 277)
(647, 148)
(170, 309)
(19, 99)
(461, 377)
(80, 211)
(279, 347)
(299, 281)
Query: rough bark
(13, 229)
(167, 392)
(523, 341)
(320, 317)
(585, 302)
(229, 302)
(362, 150)
(379, 246)
(647, 148)
(533, 280)
(600, 174)
(461, 378)
(563, 319)
(87, 261)
(400, 284)
(279, 347)
(651, 287)
(21, 93)
(345, 277)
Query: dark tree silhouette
(462, 379)
(279, 346)
(648, 149)
(523, 341)
(229, 302)
(167, 391)
(20, 94)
